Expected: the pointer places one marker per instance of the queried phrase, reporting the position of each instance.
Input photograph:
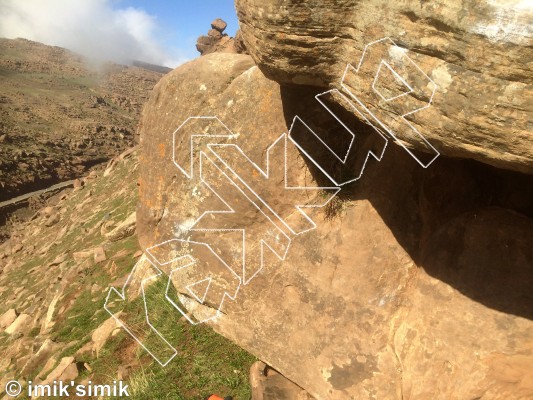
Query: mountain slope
(55, 273)
(60, 115)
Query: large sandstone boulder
(478, 53)
(415, 283)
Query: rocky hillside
(60, 114)
(55, 274)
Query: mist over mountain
(92, 28)
(58, 117)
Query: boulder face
(414, 284)
(478, 54)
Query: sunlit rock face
(414, 284)
(478, 53)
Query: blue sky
(159, 32)
(180, 22)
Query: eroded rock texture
(415, 284)
(478, 53)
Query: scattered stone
(123, 372)
(127, 153)
(59, 259)
(18, 290)
(47, 211)
(95, 288)
(121, 253)
(46, 369)
(214, 34)
(85, 350)
(48, 321)
(216, 40)
(106, 226)
(119, 282)
(82, 255)
(77, 184)
(5, 362)
(137, 254)
(111, 268)
(52, 220)
(47, 348)
(58, 371)
(102, 334)
(7, 318)
(70, 373)
(205, 44)
(124, 229)
(22, 324)
(108, 170)
(99, 254)
(16, 248)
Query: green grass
(78, 322)
(205, 363)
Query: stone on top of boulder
(217, 41)
(219, 24)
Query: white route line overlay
(377, 157)
(383, 125)
(397, 77)
(190, 174)
(122, 296)
(265, 173)
(254, 202)
(169, 283)
(231, 210)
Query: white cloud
(92, 28)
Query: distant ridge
(151, 67)
(61, 113)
